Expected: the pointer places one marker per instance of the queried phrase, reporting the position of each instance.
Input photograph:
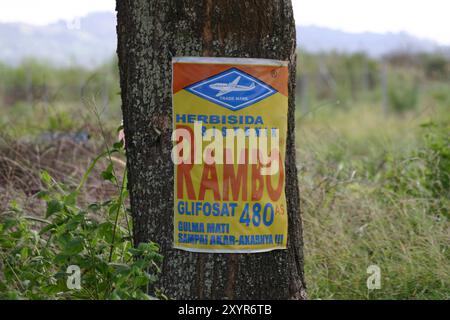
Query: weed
(37, 251)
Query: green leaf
(53, 206)
(71, 198)
(107, 174)
(94, 207)
(46, 178)
(74, 222)
(118, 145)
(24, 253)
(61, 258)
(14, 206)
(47, 228)
(9, 223)
(74, 246)
(113, 209)
(105, 230)
(43, 195)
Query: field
(373, 151)
(356, 216)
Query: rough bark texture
(150, 33)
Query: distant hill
(92, 41)
(87, 42)
(317, 39)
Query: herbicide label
(230, 126)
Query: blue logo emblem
(232, 89)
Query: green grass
(354, 219)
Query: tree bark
(150, 33)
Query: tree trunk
(150, 33)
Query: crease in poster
(229, 136)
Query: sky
(423, 18)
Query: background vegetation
(373, 144)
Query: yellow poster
(230, 127)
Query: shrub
(36, 252)
(437, 67)
(426, 172)
(402, 94)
